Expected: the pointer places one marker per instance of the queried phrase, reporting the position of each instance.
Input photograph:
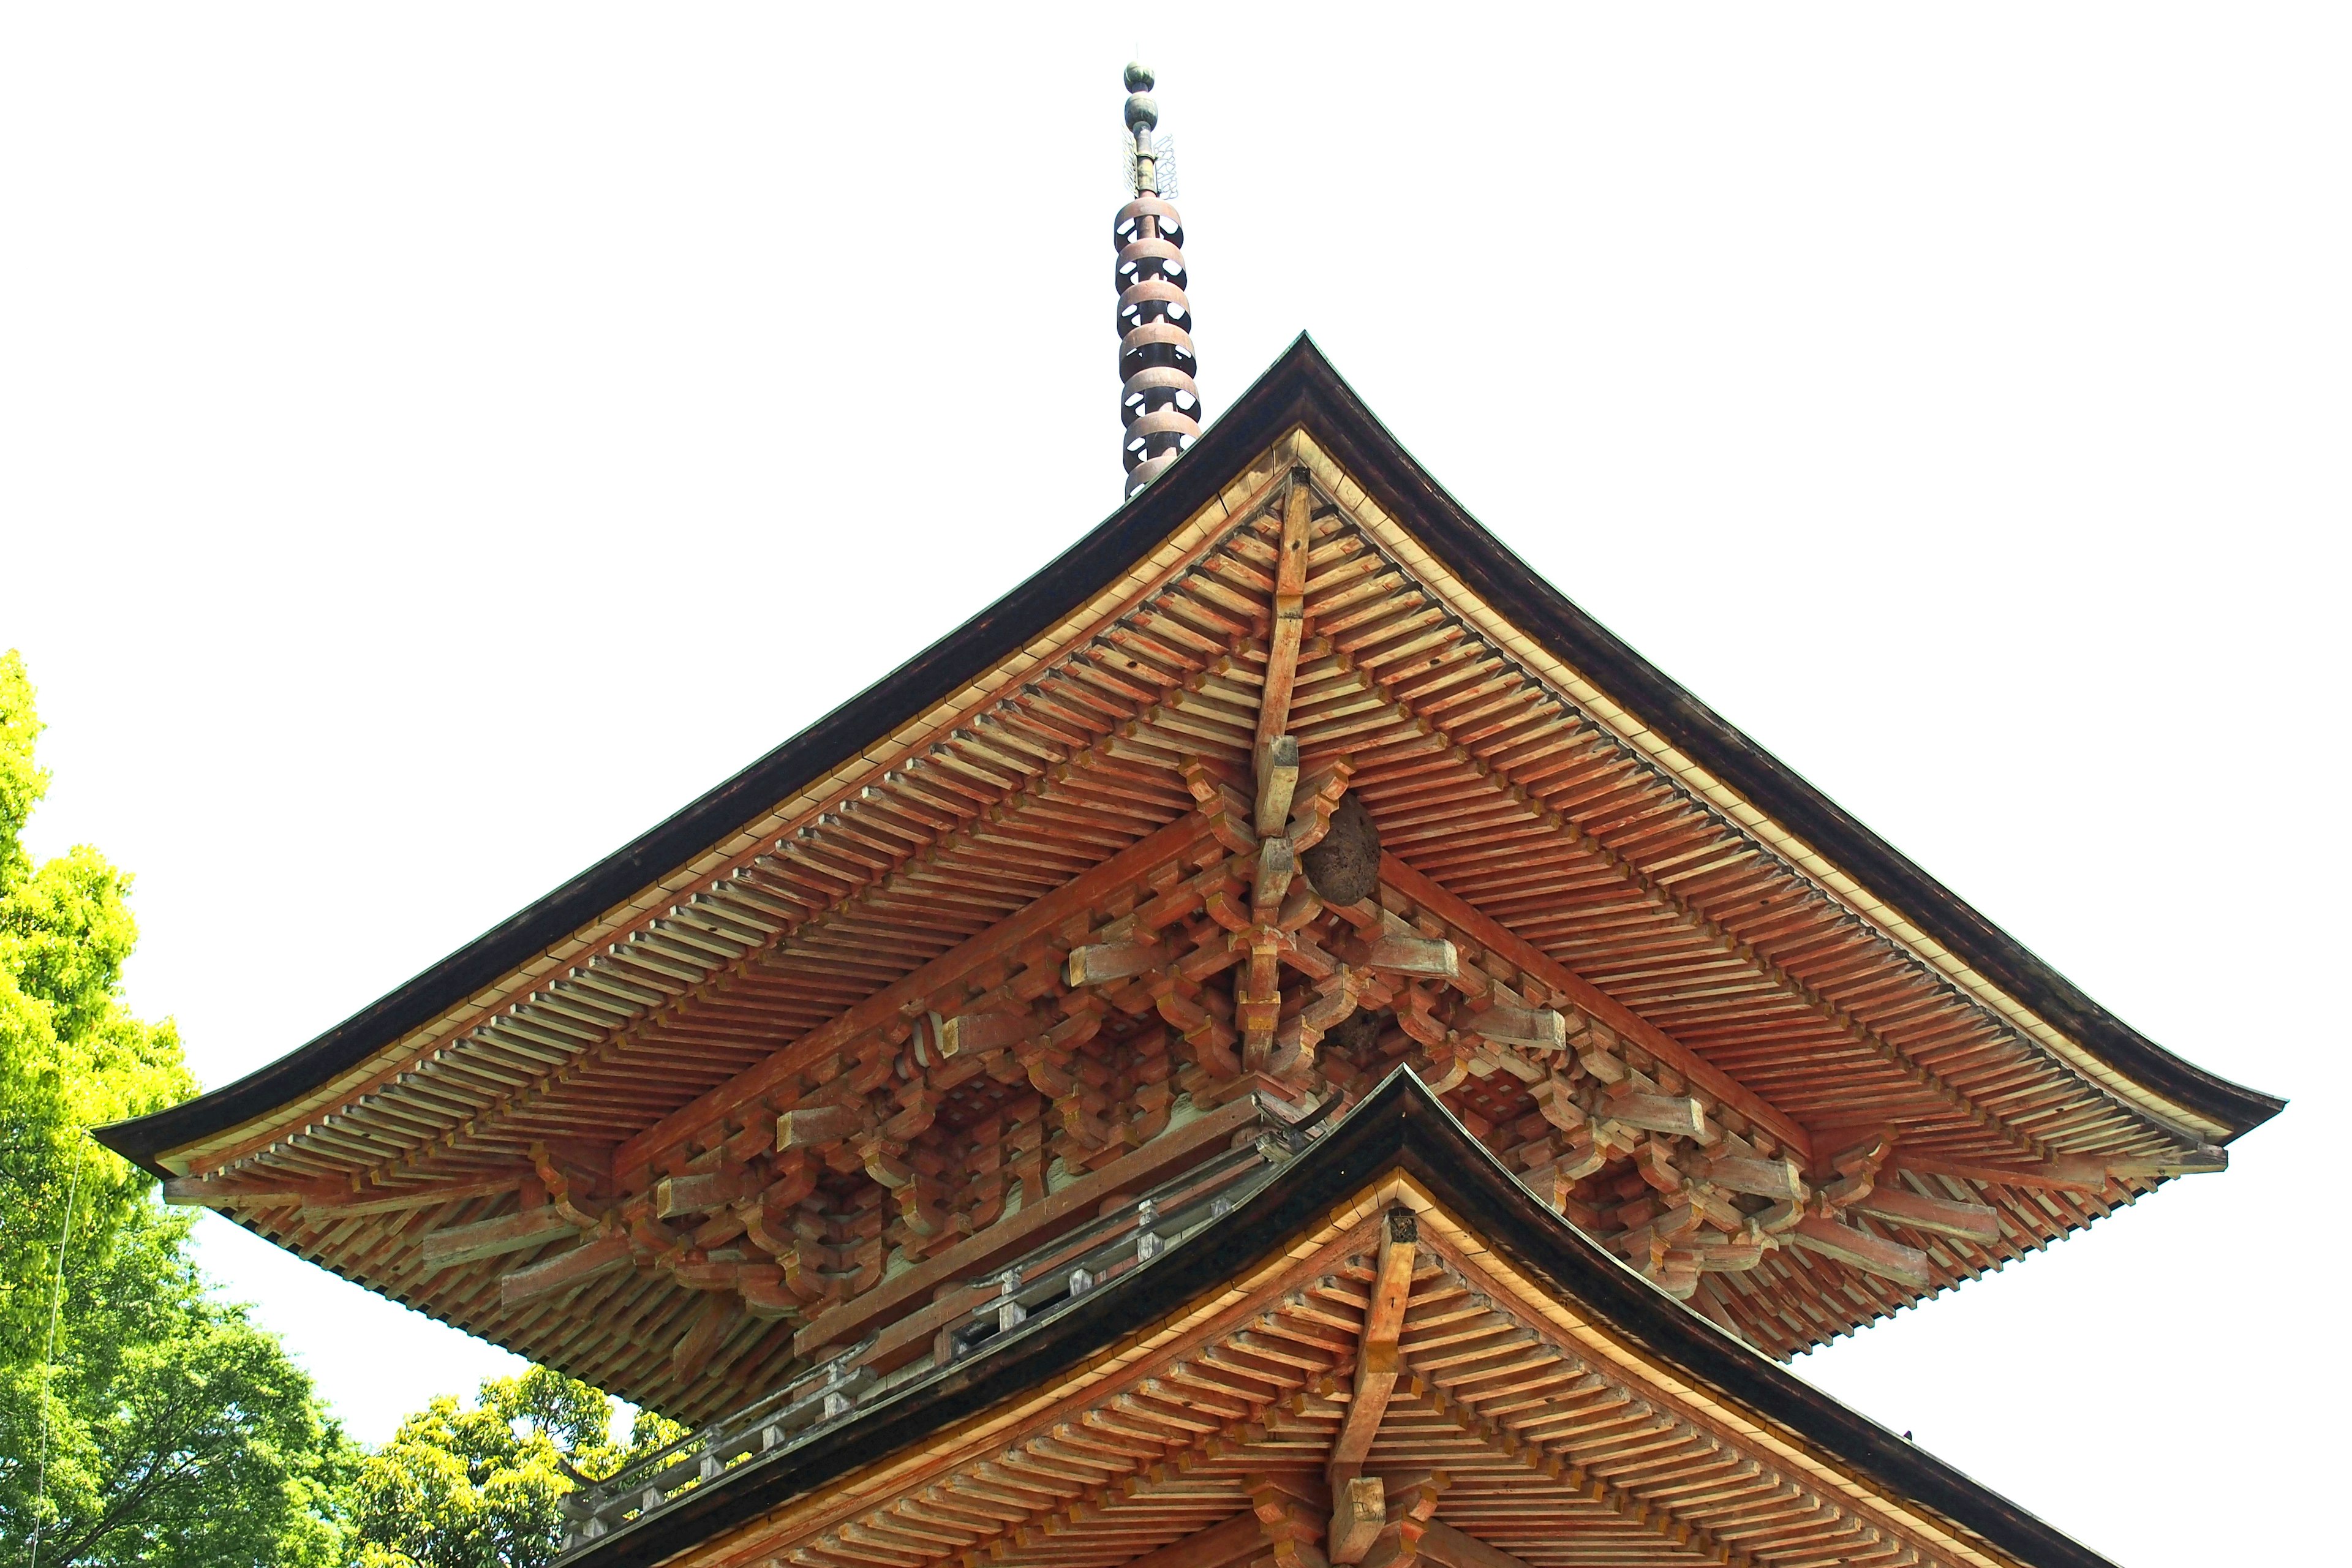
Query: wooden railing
(1030, 1291)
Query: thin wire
(49, 1356)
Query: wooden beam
(633, 1159)
(1289, 614)
(811, 1125)
(1432, 956)
(971, 1032)
(1277, 784)
(1360, 1502)
(1532, 1029)
(1871, 1254)
(1450, 1548)
(1233, 1541)
(1780, 1180)
(719, 1316)
(1412, 1500)
(1111, 961)
(1484, 930)
(563, 1272)
(1677, 1114)
(490, 1237)
(1969, 1222)
(215, 1193)
(2059, 1176)
(700, 1192)
(1021, 1231)
(1292, 1526)
(1359, 1508)
(329, 1200)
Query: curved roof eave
(1402, 1126)
(1301, 388)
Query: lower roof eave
(1400, 1128)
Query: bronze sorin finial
(1158, 398)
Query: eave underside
(1556, 856)
(1507, 1418)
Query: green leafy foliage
(483, 1488)
(167, 1429)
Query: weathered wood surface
(990, 965)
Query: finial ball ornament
(1140, 78)
(1141, 113)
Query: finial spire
(1158, 398)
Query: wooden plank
(1027, 1228)
(634, 1158)
(1487, 933)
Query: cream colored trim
(1621, 722)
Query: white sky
(436, 442)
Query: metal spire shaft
(1158, 398)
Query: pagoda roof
(1736, 956)
(1560, 1408)
(1300, 389)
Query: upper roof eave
(1300, 389)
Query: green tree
(165, 1429)
(484, 1488)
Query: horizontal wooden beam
(1486, 931)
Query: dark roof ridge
(1300, 388)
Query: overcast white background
(436, 442)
